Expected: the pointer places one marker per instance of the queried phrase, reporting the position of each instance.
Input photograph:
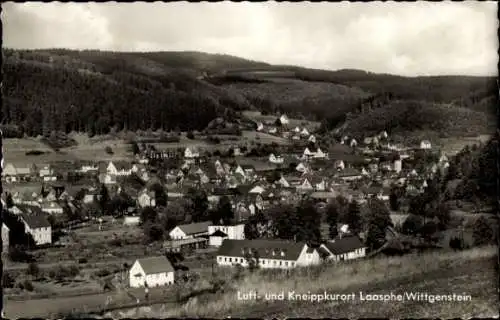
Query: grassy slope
(470, 272)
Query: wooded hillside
(94, 91)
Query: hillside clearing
(257, 116)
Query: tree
(412, 224)
(148, 214)
(153, 232)
(353, 218)
(160, 194)
(378, 221)
(198, 204)
(224, 212)
(444, 215)
(482, 232)
(332, 217)
(104, 197)
(135, 148)
(108, 150)
(256, 226)
(33, 270)
(394, 199)
(308, 223)
(8, 201)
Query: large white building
(267, 254)
(151, 272)
(189, 231)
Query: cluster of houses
(348, 168)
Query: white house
(398, 165)
(191, 153)
(283, 182)
(353, 143)
(106, 178)
(319, 154)
(304, 132)
(301, 168)
(260, 126)
(425, 145)
(283, 119)
(312, 138)
(296, 130)
(189, 231)
(339, 164)
(88, 168)
(274, 254)
(275, 159)
(146, 198)
(216, 238)
(131, 220)
(305, 185)
(308, 153)
(344, 248)
(120, 168)
(151, 272)
(38, 226)
(219, 232)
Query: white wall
(177, 234)
(263, 263)
(216, 241)
(236, 232)
(40, 235)
(153, 280)
(308, 259)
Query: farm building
(189, 231)
(216, 238)
(235, 232)
(151, 272)
(38, 226)
(345, 248)
(276, 254)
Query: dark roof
(155, 265)
(35, 220)
(218, 233)
(344, 245)
(264, 248)
(193, 228)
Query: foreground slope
(471, 272)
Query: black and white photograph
(263, 160)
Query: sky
(405, 38)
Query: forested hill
(93, 91)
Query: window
(225, 259)
(230, 259)
(274, 262)
(293, 264)
(286, 263)
(281, 263)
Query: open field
(257, 116)
(470, 272)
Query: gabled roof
(263, 248)
(193, 228)
(344, 245)
(154, 265)
(218, 233)
(35, 221)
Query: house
(233, 232)
(296, 130)
(275, 159)
(189, 231)
(191, 153)
(52, 207)
(350, 174)
(344, 248)
(5, 238)
(85, 168)
(304, 132)
(283, 182)
(273, 130)
(257, 190)
(319, 154)
(283, 120)
(305, 185)
(151, 272)
(277, 254)
(146, 198)
(307, 153)
(339, 165)
(14, 174)
(38, 226)
(216, 238)
(353, 143)
(383, 135)
(312, 139)
(398, 165)
(119, 168)
(131, 221)
(106, 178)
(260, 126)
(425, 145)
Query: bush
(7, 280)
(28, 285)
(82, 260)
(103, 272)
(33, 269)
(108, 150)
(34, 153)
(190, 135)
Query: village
(124, 224)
